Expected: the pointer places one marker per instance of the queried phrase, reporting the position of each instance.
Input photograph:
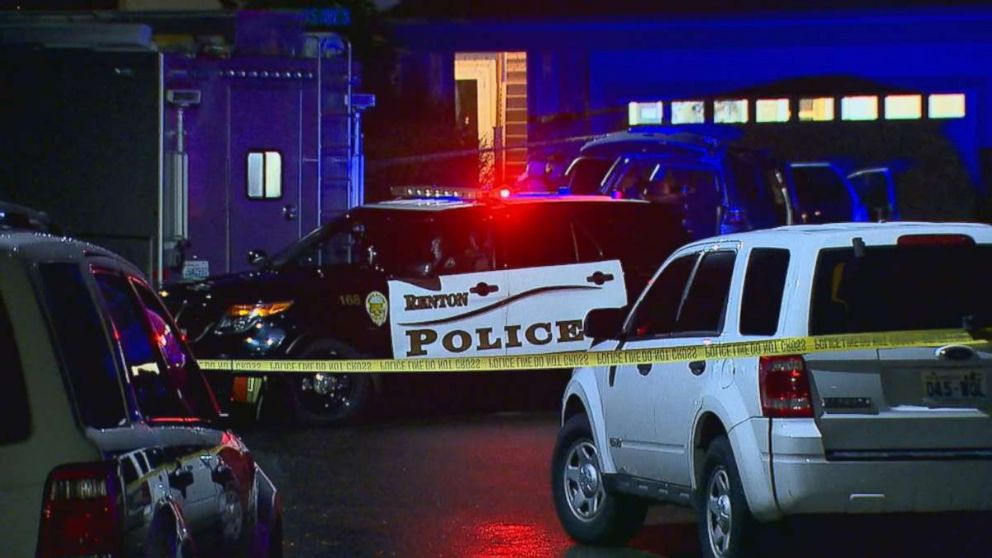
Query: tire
(725, 524)
(328, 399)
(588, 512)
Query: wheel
(328, 399)
(726, 527)
(588, 512)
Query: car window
(822, 194)
(658, 312)
(757, 188)
(180, 365)
(84, 349)
(900, 288)
(639, 235)
(706, 301)
(764, 284)
(585, 176)
(532, 237)
(14, 411)
(157, 395)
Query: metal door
(265, 140)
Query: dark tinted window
(641, 236)
(763, 288)
(180, 366)
(757, 189)
(14, 412)
(401, 243)
(81, 338)
(585, 176)
(706, 301)
(658, 312)
(158, 396)
(823, 196)
(534, 237)
(901, 288)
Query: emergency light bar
(432, 192)
(451, 193)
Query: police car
(427, 276)
(760, 438)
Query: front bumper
(806, 482)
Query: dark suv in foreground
(416, 278)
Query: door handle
(599, 278)
(644, 369)
(697, 367)
(483, 289)
(289, 212)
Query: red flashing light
(504, 193)
(80, 514)
(935, 240)
(784, 386)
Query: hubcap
(326, 392)
(583, 487)
(719, 517)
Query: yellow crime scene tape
(683, 353)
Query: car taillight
(784, 385)
(80, 515)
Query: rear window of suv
(898, 288)
(14, 412)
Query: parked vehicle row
(752, 440)
(112, 443)
(721, 186)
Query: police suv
(426, 277)
(756, 439)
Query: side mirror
(257, 257)
(604, 323)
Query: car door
(550, 291)
(630, 391)
(823, 194)
(877, 189)
(454, 303)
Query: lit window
(264, 175)
(646, 113)
(864, 107)
(732, 111)
(818, 109)
(903, 107)
(688, 112)
(772, 110)
(946, 105)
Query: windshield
(900, 288)
(585, 176)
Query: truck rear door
(918, 402)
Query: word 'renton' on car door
(556, 276)
(450, 300)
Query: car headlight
(242, 317)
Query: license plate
(958, 387)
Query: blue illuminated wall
(582, 74)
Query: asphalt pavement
(456, 483)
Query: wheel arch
(582, 395)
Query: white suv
(753, 440)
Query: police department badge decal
(377, 306)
